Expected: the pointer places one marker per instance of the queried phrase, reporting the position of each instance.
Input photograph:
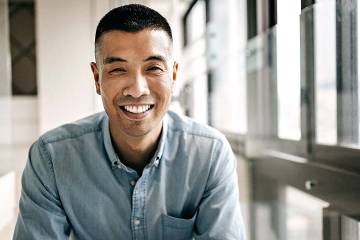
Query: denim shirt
(75, 184)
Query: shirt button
(132, 183)
(136, 221)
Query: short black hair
(132, 18)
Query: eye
(117, 70)
(155, 69)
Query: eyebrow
(156, 58)
(110, 60)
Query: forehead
(142, 43)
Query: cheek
(109, 91)
(165, 83)
(162, 88)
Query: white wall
(64, 31)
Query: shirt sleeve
(41, 215)
(219, 215)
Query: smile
(136, 112)
(137, 108)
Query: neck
(136, 152)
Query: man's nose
(138, 86)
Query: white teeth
(137, 109)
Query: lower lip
(136, 116)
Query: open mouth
(137, 109)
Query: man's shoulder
(81, 127)
(189, 126)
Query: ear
(95, 72)
(175, 71)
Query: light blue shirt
(75, 184)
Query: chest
(106, 203)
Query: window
(325, 72)
(304, 215)
(288, 68)
(347, 95)
(194, 93)
(226, 59)
(22, 41)
(195, 22)
(317, 119)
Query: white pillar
(5, 75)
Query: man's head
(132, 18)
(134, 71)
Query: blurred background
(279, 78)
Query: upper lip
(135, 104)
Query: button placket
(138, 206)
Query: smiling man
(137, 170)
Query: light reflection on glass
(325, 72)
(288, 68)
(200, 99)
(195, 63)
(196, 22)
(227, 45)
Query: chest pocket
(177, 228)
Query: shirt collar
(114, 158)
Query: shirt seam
(199, 134)
(215, 154)
(95, 127)
(51, 174)
(63, 138)
(210, 187)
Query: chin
(137, 132)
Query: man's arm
(219, 215)
(41, 215)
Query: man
(136, 171)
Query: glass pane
(282, 212)
(194, 94)
(199, 103)
(196, 22)
(347, 76)
(325, 72)
(226, 57)
(288, 68)
(303, 215)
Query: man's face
(135, 74)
